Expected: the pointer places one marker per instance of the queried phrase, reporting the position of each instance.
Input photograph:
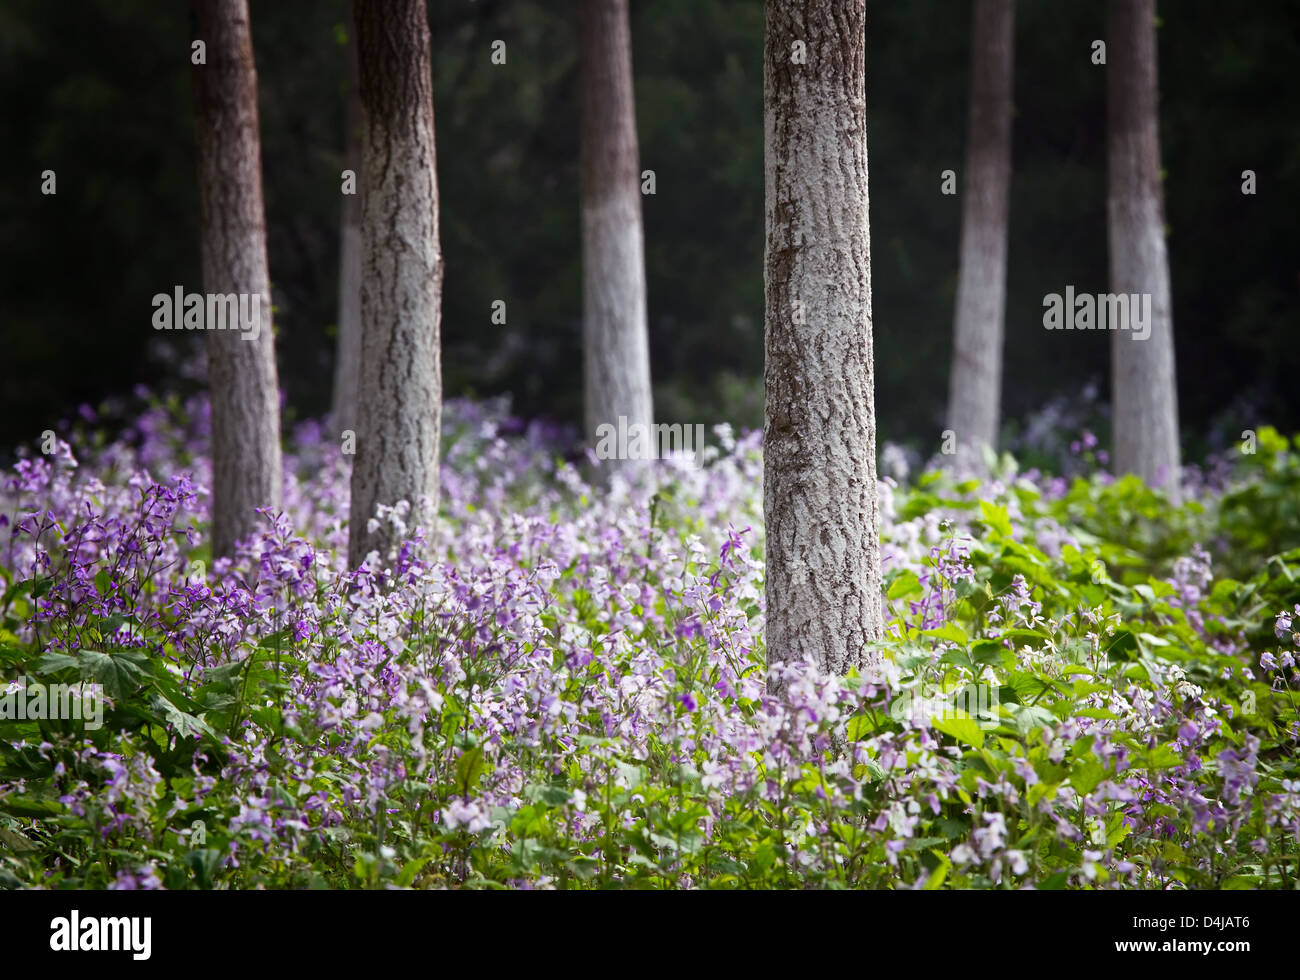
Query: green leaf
(185, 723)
(871, 769)
(763, 859)
(27, 806)
(987, 652)
(962, 727)
(1163, 757)
(633, 774)
(1085, 776)
(938, 875)
(204, 862)
(1029, 717)
(119, 673)
(16, 842)
(905, 586)
(277, 640)
(469, 768)
(269, 719)
(409, 870)
(1021, 633)
(948, 631)
(996, 517)
(860, 726)
(223, 677)
(17, 589)
(52, 662)
(584, 867)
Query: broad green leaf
(469, 767)
(962, 727)
(860, 726)
(905, 586)
(940, 873)
(948, 631)
(119, 672)
(995, 516)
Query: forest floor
(1080, 686)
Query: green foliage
(1091, 607)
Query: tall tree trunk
(824, 599)
(1144, 392)
(347, 363)
(975, 383)
(400, 403)
(242, 377)
(616, 345)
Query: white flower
(468, 815)
(1090, 859)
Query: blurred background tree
(98, 92)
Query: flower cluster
(572, 688)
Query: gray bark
(975, 382)
(823, 584)
(400, 405)
(1144, 392)
(347, 363)
(616, 345)
(242, 379)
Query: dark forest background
(99, 91)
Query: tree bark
(400, 403)
(1144, 396)
(975, 382)
(244, 389)
(616, 345)
(823, 584)
(347, 363)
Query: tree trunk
(244, 389)
(1144, 396)
(824, 599)
(975, 383)
(347, 364)
(616, 345)
(400, 402)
